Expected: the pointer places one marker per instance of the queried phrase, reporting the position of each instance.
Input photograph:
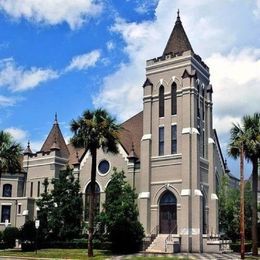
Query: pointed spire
(56, 118)
(178, 41)
(28, 150)
(178, 15)
(55, 141)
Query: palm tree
(248, 136)
(237, 149)
(92, 131)
(252, 128)
(10, 154)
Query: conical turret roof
(55, 139)
(178, 41)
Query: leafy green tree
(61, 209)
(229, 207)
(45, 204)
(120, 216)
(247, 137)
(10, 154)
(229, 210)
(92, 131)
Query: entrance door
(168, 216)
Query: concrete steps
(158, 245)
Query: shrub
(10, 234)
(126, 237)
(28, 231)
(28, 246)
(1, 236)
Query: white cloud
(235, 79)
(84, 61)
(72, 12)
(234, 74)
(256, 11)
(110, 45)
(18, 134)
(223, 124)
(145, 6)
(6, 101)
(21, 136)
(17, 78)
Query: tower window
(6, 213)
(161, 140)
(174, 99)
(7, 190)
(174, 139)
(39, 189)
(161, 101)
(31, 192)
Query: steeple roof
(178, 41)
(55, 140)
(28, 150)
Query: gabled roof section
(132, 134)
(129, 136)
(178, 41)
(55, 139)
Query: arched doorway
(96, 200)
(168, 213)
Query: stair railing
(153, 235)
(169, 237)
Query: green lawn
(57, 253)
(75, 254)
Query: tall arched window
(7, 190)
(174, 99)
(161, 101)
(204, 214)
(96, 200)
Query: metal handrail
(154, 232)
(169, 237)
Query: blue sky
(66, 56)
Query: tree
(120, 216)
(61, 209)
(92, 131)
(237, 148)
(229, 206)
(249, 135)
(10, 154)
(228, 210)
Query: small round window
(103, 167)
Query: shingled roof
(55, 139)
(178, 41)
(132, 133)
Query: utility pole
(242, 202)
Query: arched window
(96, 200)
(7, 190)
(198, 102)
(174, 99)
(161, 101)
(204, 215)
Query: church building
(169, 152)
